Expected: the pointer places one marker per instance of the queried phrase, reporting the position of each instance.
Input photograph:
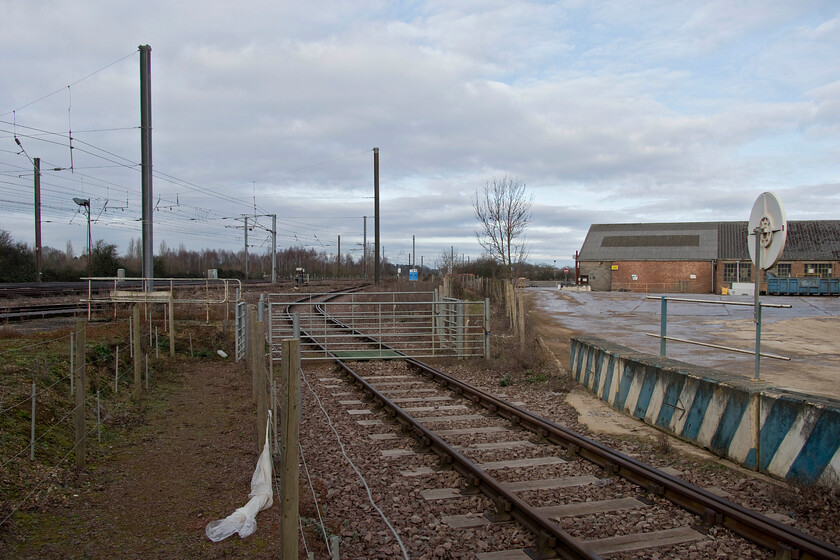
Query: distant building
(698, 257)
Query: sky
(608, 111)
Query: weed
(505, 381)
(663, 443)
(536, 378)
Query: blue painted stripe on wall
(820, 447)
(579, 368)
(588, 369)
(698, 410)
(645, 393)
(781, 417)
(624, 386)
(608, 377)
(729, 422)
(670, 402)
(749, 462)
(599, 363)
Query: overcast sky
(609, 111)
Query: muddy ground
(154, 494)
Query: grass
(44, 358)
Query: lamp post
(85, 203)
(554, 270)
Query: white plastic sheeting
(244, 519)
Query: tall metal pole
(376, 213)
(246, 247)
(757, 304)
(338, 259)
(274, 248)
(364, 246)
(413, 253)
(146, 160)
(37, 163)
(90, 254)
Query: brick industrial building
(698, 257)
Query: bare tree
(503, 211)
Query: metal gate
(415, 324)
(241, 329)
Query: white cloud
(609, 111)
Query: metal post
(376, 274)
(32, 427)
(486, 328)
(130, 338)
(117, 371)
(364, 246)
(37, 164)
(135, 337)
(261, 308)
(338, 258)
(98, 419)
(146, 162)
(274, 248)
(663, 327)
(296, 326)
(147, 372)
(72, 361)
(246, 247)
(157, 352)
(459, 328)
(757, 304)
(79, 411)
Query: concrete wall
(599, 274)
(786, 434)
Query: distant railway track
(26, 312)
(523, 443)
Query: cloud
(608, 111)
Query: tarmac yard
(808, 333)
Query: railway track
(26, 312)
(573, 495)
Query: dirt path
(189, 465)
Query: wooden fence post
(79, 413)
(290, 422)
(171, 324)
(138, 364)
(260, 375)
(521, 322)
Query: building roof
(651, 242)
(817, 240)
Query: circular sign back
(768, 222)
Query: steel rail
(714, 510)
(551, 540)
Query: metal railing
(663, 328)
(241, 330)
(415, 324)
(206, 291)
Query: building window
(823, 270)
(737, 272)
(781, 270)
